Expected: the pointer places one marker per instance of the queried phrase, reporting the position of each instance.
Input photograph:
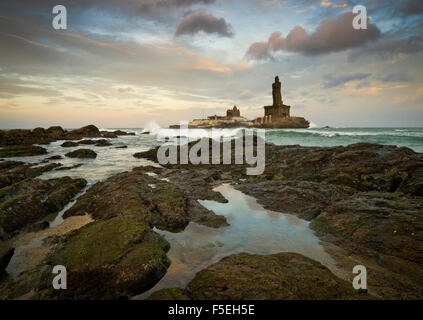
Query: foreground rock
(282, 276)
(108, 259)
(14, 171)
(154, 201)
(364, 200)
(82, 154)
(118, 255)
(29, 201)
(21, 151)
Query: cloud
(330, 36)
(335, 80)
(13, 88)
(202, 21)
(389, 48)
(397, 77)
(136, 5)
(410, 7)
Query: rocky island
(278, 115)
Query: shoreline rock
(281, 276)
(21, 151)
(17, 137)
(363, 200)
(107, 259)
(31, 200)
(82, 154)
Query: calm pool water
(252, 229)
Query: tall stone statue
(276, 92)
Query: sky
(123, 64)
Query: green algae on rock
(281, 276)
(109, 259)
(30, 200)
(166, 206)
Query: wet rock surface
(44, 136)
(97, 143)
(282, 276)
(21, 151)
(30, 200)
(82, 154)
(154, 201)
(69, 168)
(14, 171)
(69, 144)
(107, 259)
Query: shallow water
(252, 229)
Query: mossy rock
(109, 259)
(31, 200)
(282, 276)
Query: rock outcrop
(14, 171)
(31, 200)
(21, 151)
(69, 144)
(153, 201)
(281, 276)
(364, 201)
(19, 137)
(82, 154)
(108, 259)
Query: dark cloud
(410, 7)
(389, 48)
(330, 36)
(160, 10)
(202, 21)
(138, 5)
(335, 80)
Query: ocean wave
(336, 133)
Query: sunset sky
(125, 63)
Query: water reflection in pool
(252, 229)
